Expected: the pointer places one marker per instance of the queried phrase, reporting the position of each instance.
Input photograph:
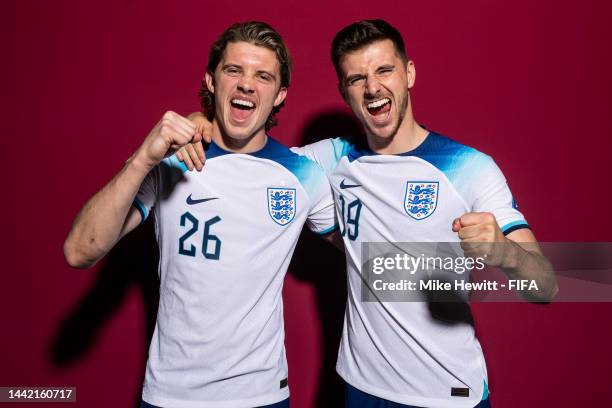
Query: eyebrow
(230, 66)
(386, 66)
(260, 71)
(353, 77)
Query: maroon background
(527, 82)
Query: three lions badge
(421, 198)
(281, 205)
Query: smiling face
(374, 82)
(246, 86)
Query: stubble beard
(380, 140)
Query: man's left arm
(517, 254)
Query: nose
(372, 87)
(246, 84)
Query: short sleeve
(322, 215)
(326, 153)
(162, 178)
(147, 194)
(492, 194)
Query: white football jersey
(226, 236)
(397, 350)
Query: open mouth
(379, 107)
(241, 108)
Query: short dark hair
(256, 33)
(361, 33)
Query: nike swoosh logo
(343, 185)
(192, 201)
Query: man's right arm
(109, 214)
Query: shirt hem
(266, 399)
(409, 399)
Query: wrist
(140, 163)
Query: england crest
(421, 198)
(281, 205)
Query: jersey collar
(426, 146)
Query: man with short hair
(399, 354)
(226, 236)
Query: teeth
(242, 102)
(378, 103)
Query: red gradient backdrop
(527, 82)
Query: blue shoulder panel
(342, 147)
(450, 157)
(455, 160)
(309, 173)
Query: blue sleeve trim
(142, 209)
(174, 162)
(485, 391)
(513, 226)
(328, 230)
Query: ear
(210, 81)
(410, 74)
(280, 97)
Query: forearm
(103, 219)
(525, 262)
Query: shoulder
(456, 160)
(306, 170)
(327, 152)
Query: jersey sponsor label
(281, 204)
(421, 198)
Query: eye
(385, 71)
(264, 77)
(355, 80)
(232, 71)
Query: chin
(385, 133)
(238, 132)
(240, 135)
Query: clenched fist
(171, 133)
(481, 236)
(193, 154)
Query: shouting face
(375, 82)
(246, 85)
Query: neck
(249, 144)
(408, 137)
